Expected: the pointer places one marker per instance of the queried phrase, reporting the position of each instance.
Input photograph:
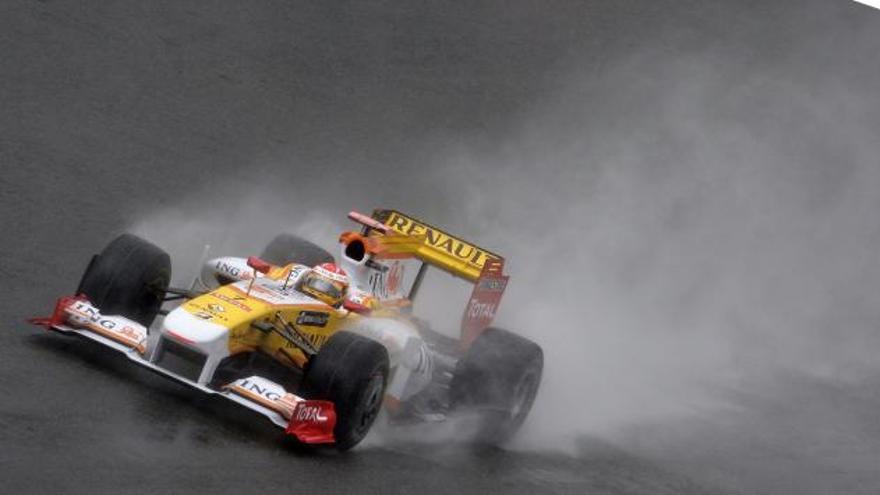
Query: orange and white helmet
(327, 283)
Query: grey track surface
(109, 109)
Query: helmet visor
(324, 286)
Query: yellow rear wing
(390, 234)
(438, 248)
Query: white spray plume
(700, 231)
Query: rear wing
(399, 236)
(439, 248)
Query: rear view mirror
(258, 264)
(355, 307)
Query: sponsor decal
(308, 412)
(130, 332)
(83, 313)
(277, 296)
(296, 271)
(312, 318)
(215, 308)
(477, 309)
(394, 277)
(439, 239)
(228, 269)
(375, 265)
(233, 300)
(385, 280)
(261, 390)
(377, 285)
(90, 314)
(492, 284)
(270, 296)
(313, 421)
(483, 304)
(315, 339)
(359, 297)
(208, 311)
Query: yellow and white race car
(250, 330)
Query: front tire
(497, 379)
(129, 278)
(352, 372)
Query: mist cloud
(671, 230)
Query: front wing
(310, 421)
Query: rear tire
(352, 372)
(286, 248)
(129, 278)
(497, 379)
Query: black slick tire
(497, 380)
(352, 372)
(129, 278)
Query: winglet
(485, 298)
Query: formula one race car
(255, 330)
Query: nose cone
(189, 329)
(227, 306)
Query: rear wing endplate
(484, 301)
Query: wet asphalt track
(107, 111)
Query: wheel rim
(523, 395)
(372, 402)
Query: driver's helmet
(327, 283)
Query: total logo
(478, 309)
(306, 412)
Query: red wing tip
(42, 321)
(58, 314)
(312, 422)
